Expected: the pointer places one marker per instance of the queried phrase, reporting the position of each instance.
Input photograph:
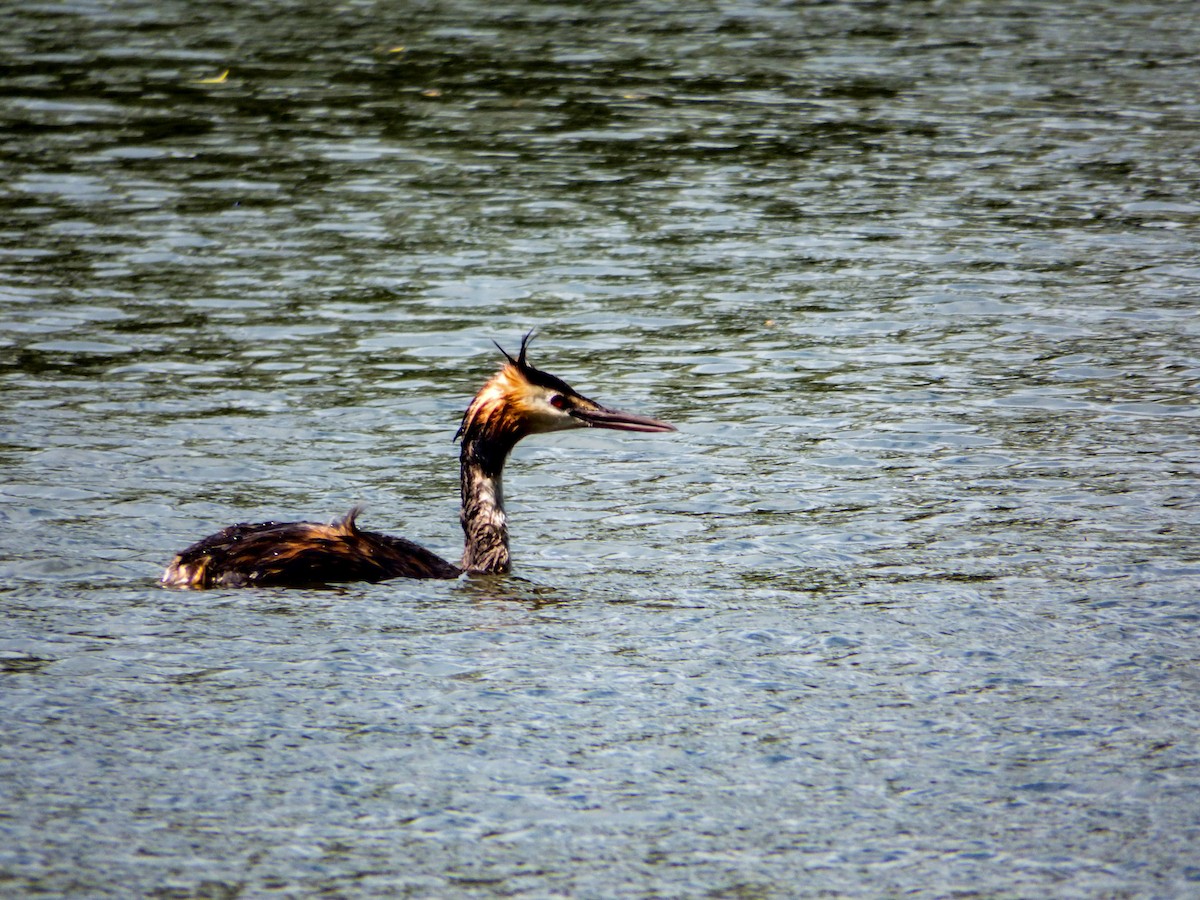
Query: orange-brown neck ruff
(495, 420)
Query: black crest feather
(519, 362)
(536, 376)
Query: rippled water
(908, 606)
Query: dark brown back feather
(294, 554)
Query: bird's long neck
(485, 527)
(491, 427)
(489, 431)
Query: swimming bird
(517, 401)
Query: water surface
(906, 607)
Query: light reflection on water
(907, 606)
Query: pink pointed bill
(619, 421)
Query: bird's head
(520, 400)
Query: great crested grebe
(518, 400)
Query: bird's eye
(558, 401)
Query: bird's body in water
(517, 401)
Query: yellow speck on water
(217, 79)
